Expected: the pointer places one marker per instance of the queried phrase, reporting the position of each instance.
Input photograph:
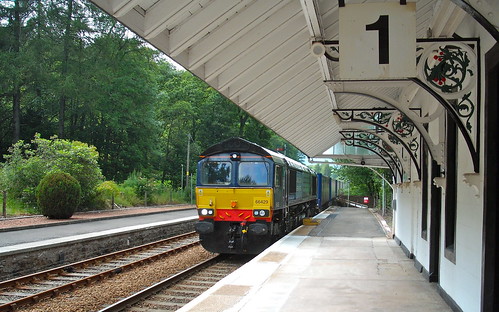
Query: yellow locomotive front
(235, 201)
(237, 197)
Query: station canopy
(277, 60)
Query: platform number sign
(377, 41)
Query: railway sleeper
(34, 287)
(173, 298)
(164, 304)
(196, 287)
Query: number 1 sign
(377, 41)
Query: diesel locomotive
(248, 196)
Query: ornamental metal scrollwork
(449, 69)
(403, 126)
(400, 130)
(465, 109)
(345, 115)
(377, 140)
(414, 144)
(377, 117)
(367, 137)
(387, 147)
(363, 143)
(391, 160)
(393, 139)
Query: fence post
(4, 193)
(145, 198)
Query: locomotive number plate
(261, 202)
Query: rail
(32, 288)
(181, 288)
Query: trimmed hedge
(58, 195)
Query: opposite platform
(346, 263)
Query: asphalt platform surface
(36, 231)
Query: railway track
(32, 288)
(173, 293)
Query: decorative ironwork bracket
(375, 149)
(362, 88)
(448, 69)
(386, 142)
(397, 124)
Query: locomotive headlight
(261, 213)
(235, 156)
(207, 212)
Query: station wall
(460, 264)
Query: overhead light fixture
(318, 49)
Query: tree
(13, 16)
(324, 169)
(362, 181)
(116, 108)
(284, 147)
(69, 69)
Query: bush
(128, 197)
(108, 190)
(58, 195)
(28, 163)
(133, 190)
(140, 184)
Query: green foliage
(287, 149)
(78, 73)
(108, 188)
(17, 208)
(363, 181)
(132, 192)
(106, 192)
(139, 184)
(27, 164)
(58, 195)
(324, 169)
(128, 197)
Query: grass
(126, 198)
(16, 208)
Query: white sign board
(377, 41)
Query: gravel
(101, 294)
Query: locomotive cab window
(216, 173)
(253, 173)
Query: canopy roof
(258, 54)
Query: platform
(42, 234)
(346, 263)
